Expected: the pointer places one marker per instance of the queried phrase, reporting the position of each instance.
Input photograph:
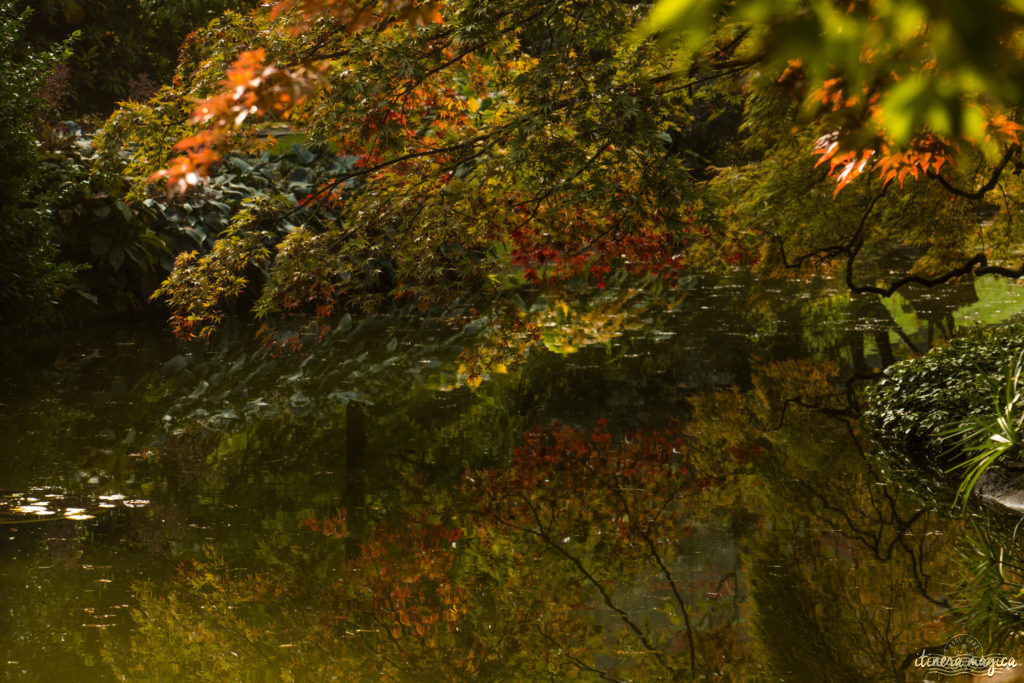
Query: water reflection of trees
(564, 563)
(780, 546)
(755, 539)
(849, 581)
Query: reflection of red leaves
(335, 526)
(610, 504)
(562, 459)
(407, 578)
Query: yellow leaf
(473, 104)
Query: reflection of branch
(851, 395)
(582, 666)
(637, 631)
(909, 659)
(873, 542)
(905, 338)
(386, 628)
(731, 576)
(668, 577)
(838, 413)
(921, 578)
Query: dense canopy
(320, 157)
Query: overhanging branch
(1010, 152)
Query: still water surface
(693, 498)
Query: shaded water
(693, 497)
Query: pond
(689, 496)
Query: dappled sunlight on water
(40, 502)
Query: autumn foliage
(249, 89)
(922, 156)
(491, 149)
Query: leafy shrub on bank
(124, 48)
(125, 246)
(116, 248)
(29, 274)
(915, 405)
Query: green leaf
(99, 244)
(116, 256)
(125, 210)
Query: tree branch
(593, 581)
(581, 665)
(1010, 152)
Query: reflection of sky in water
(41, 504)
(920, 312)
(999, 300)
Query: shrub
(29, 278)
(123, 50)
(918, 401)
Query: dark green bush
(124, 247)
(918, 401)
(124, 48)
(29, 276)
(118, 249)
